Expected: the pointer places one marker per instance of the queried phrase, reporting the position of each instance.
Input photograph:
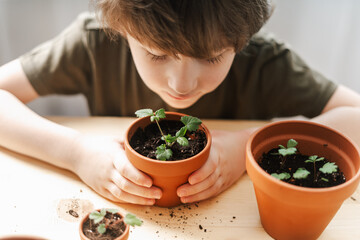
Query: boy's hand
(101, 163)
(225, 165)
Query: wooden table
(36, 198)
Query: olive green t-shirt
(267, 79)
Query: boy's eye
(156, 58)
(215, 60)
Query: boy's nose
(182, 86)
(183, 78)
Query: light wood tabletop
(36, 199)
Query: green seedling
(163, 152)
(97, 217)
(313, 159)
(301, 173)
(290, 149)
(132, 220)
(281, 176)
(329, 167)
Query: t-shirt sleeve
(61, 65)
(292, 87)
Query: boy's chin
(179, 104)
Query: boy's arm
(342, 112)
(98, 161)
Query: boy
(198, 57)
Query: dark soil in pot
(271, 162)
(145, 141)
(114, 223)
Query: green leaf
(96, 216)
(101, 228)
(281, 176)
(181, 132)
(132, 220)
(112, 210)
(144, 112)
(291, 143)
(329, 168)
(301, 173)
(160, 113)
(103, 212)
(162, 153)
(169, 138)
(313, 159)
(191, 123)
(281, 146)
(154, 118)
(182, 141)
(287, 151)
(324, 179)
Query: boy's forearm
(24, 131)
(343, 119)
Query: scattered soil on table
(114, 225)
(145, 141)
(73, 209)
(187, 221)
(271, 162)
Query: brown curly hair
(195, 28)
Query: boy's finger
(127, 170)
(129, 187)
(121, 195)
(205, 171)
(188, 190)
(212, 191)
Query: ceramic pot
(167, 175)
(124, 236)
(292, 212)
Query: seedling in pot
(313, 159)
(163, 152)
(301, 172)
(98, 216)
(288, 150)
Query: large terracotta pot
(124, 236)
(292, 212)
(167, 175)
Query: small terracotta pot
(292, 212)
(167, 175)
(124, 236)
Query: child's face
(180, 82)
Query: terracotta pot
(167, 175)
(124, 236)
(292, 212)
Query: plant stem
(314, 171)
(283, 159)
(162, 134)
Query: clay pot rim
(273, 180)
(206, 148)
(82, 235)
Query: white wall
(325, 33)
(26, 23)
